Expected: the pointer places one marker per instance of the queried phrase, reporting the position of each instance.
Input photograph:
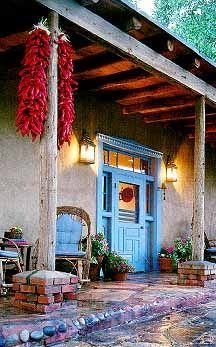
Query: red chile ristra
(32, 90)
(66, 87)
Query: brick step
(65, 328)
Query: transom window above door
(128, 162)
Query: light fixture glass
(171, 170)
(87, 150)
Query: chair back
(68, 235)
(207, 243)
(69, 231)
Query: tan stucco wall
(19, 167)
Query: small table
(25, 251)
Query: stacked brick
(43, 291)
(197, 273)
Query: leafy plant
(183, 249)
(166, 252)
(115, 263)
(99, 245)
(16, 229)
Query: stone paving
(102, 305)
(190, 327)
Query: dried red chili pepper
(66, 88)
(32, 89)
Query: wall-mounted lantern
(171, 170)
(87, 150)
(163, 187)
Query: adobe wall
(19, 167)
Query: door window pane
(128, 202)
(113, 158)
(137, 165)
(128, 162)
(106, 192)
(144, 165)
(125, 162)
(149, 198)
(106, 157)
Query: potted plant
(99, 248)
(14, 232)
(183, 249)
(166, 259)
(116, 267)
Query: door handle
(141, 227)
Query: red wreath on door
(127, 194)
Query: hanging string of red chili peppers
(66, 87)
(32, 90)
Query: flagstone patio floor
(101, 305)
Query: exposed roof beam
(209, 136)
(105, 70)
(138, 28)
(88, 51)
(159, 105)
(175, 116)
(171, 116)
(140, 95)
(12, 40)
(129, 83)
(210, 129)
(128, 47)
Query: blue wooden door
(129, 231)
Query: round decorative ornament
(127, 194)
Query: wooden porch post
(199, 181)
(48, 162)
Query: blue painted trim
(157, 211)
(137, 149)
(99, 187)
(129, 146)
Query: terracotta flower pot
(120, 276)
(165, 264)
(94, 272)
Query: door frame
(140, 181)
(133, 148)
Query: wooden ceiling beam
(161, 105)
(107, 69)
(208, 122)
(126, 46)
(88, 51)
(210, 129)
(209, 136)
(129, 83)
(12, 40)
(183, 115)
(172, 116)
(138, 28)
(163, 44)
(154, 91)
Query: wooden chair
(210, 249)
(7, 258)
(70, 225)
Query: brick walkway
(103, 304)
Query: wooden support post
(48, 161)
(199, 181)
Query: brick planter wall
(43, 291)
(197, 273)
